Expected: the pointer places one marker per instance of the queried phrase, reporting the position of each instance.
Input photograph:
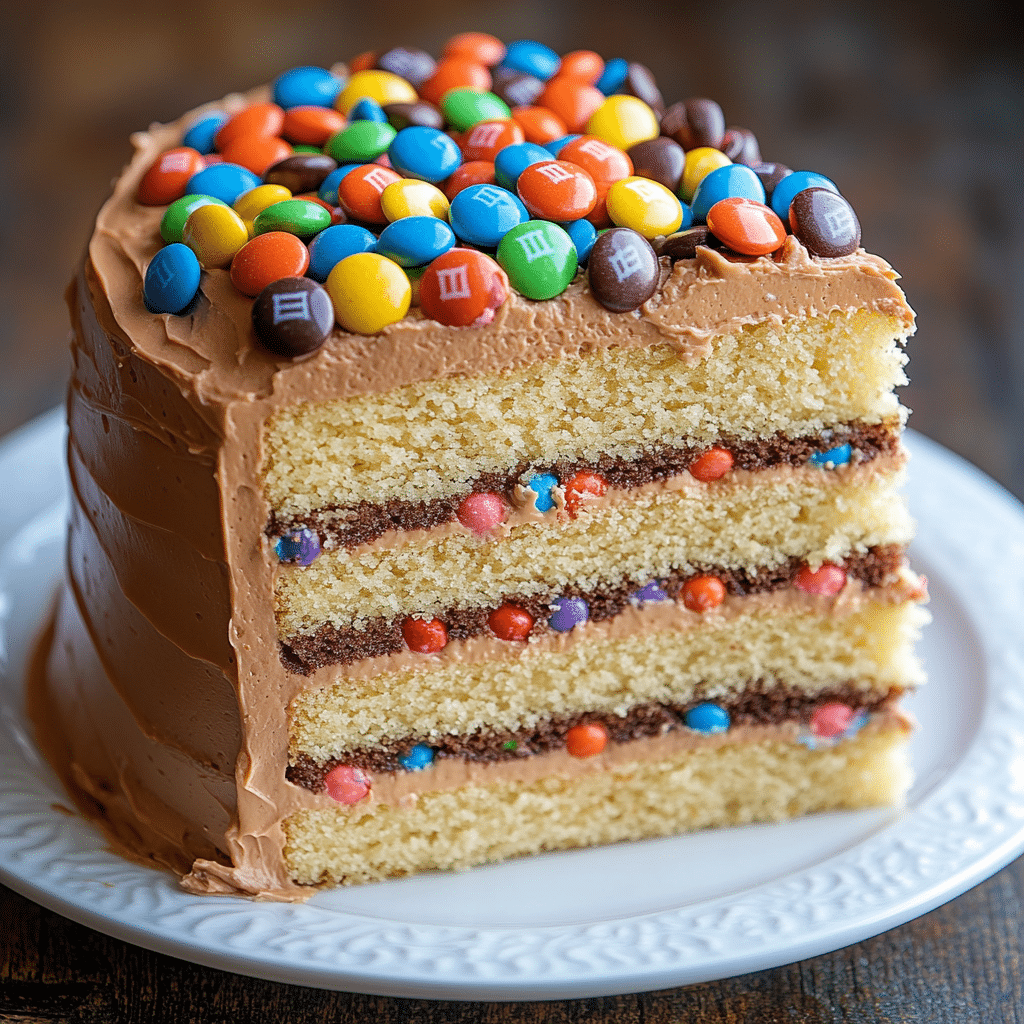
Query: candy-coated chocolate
(299, 217)
(360, 142)
(741, 147)
(515, 88)
(695, 123)
(511, 161)
(640, 82)
(604, 162)
(334, 244)
(200, 134)
(683, 244)
(292, 317)
(838, 456)
(707, 718)
(414, 65)
(346, 784)
(476, 46)
(169, 177)
(177, 213)
(586, 740)
(250, 205)
(650, 592)
(369, 292)
(510, 622)
(481, 214)
(360, 190)
(306, 87)
(425, 636)
(645, 206)
(463, 288)
(557, 190)
(464, 108)
(699, 164)
(473, 172)
(567, 612)
(613, 76)
(214, 234)
(555, 146)
(485, 140)
(225, 182)
(722, 183)
(583, 235)
(623, 270)
(539, 124)
(623, 121)
(365, 61)
(380, 86)
(367, 109)
(785, 190)
(661, 159)
(539, 258)
(328, 190)
(425, 153)
(411, 197)
(454, 73)
(583, 65)
(825, 222)
(301, 172)
(256, 152)
(580, 488)
(267, 258)
(481, 512)
(770, 175)
(572, 100)
(831, 720)
(415, 241)
(258, 119)
(311, 126)
(405, 115)
(531, 58)
(828, 580)
(420, 756)
(172, 279)
(746, 226)
(712, 465)
(702, 593)
(300, 547)
(543, 485)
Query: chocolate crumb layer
(761, 703)
(329, 645)
(350, 525)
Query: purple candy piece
(650, 592)
(301, 547)
(568, 612)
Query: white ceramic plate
(626, 918)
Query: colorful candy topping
(346, 784)
(300, 548)
(510, 622)
(419, 757)
(828, 580)
(707, 718)
(702, 593)
(568, 612)
(292, 316)
(512, 150)
(586, 740)
(712, 465)
(425, 636)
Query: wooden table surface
(917, 110)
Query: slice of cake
(517, 557)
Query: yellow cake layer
(872, 647)
(733, 784)
(807, 513)
(426, 440)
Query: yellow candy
(623, 121)
(645, 206)
(252, 203)
(369, 292)
(382, 86)
(412, 198)
(214, 234)
(700, 162)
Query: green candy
(302, 148)
(463, 108)
(539, 258)
(296, 216)
(361, 142)
(173, 220)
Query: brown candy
(659, 159)
(740, 146)
(303, 172)
(824, 222)
(292, 316)
(683, 244)
(641, 84)
(415, 66)
(697, 122)
(623, 270)
(421, 114)
(515, 88)
(770, 175)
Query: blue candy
(531, 58)
(425, 153)
(172, 279)
(687, 217)
(555, 146)
(723, 183)
(306, 87)
(513, 160)
(542, 485)
(568, 612)
(334, 244)
(300, 548)
(420, 757)
(200, 135)
(367, 109)
(707, 718)
(839, 456)
(482, 214)
(652, 591)
(797, 182)
(328, 190)
(613, 76)
(415, 241)
(583, 235)
(225, 182)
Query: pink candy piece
(831, 719)
(346, 784)
(828, 580)
(481, 512)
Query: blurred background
(915, 109)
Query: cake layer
(702, 787)
(657, 653)
(425, 441)
(750, 520)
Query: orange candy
(360, 190)
(573, 101)
(579, 488)
(475, 172)
(746, 226)
(165, 181)
(259, 119)
(484, 140)
(423, 636)
(365, 61)
(311, 126)
(557, 190)
(475, 46)
(586, 740)
(462, 288)
(583, 65)
(455, 73)
(267, 258)
(604, 163)
(703, 593)
(256, 152)
(714, 463)
(539, 124)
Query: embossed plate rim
(968, 823)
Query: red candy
(579, 488)
(746, 226)
(455, 73)
(165, 181)
(346, 784)
(703, 593)
(712, 465)
(586, 740)
(475, 172)
(539, 124)
(828, 580)
(831, 720)
(360, 190)
(557, 190)
(267, 258)
(484, 140)
(365, 61)
(475, 46)
(462, 288)
(572, 100)
(311, 126)
(423, 636)
(259, 119)
(481, 512)
(256, 152)
(583, 65)
(510, 622)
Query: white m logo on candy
(454, 282)
(290, 306)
